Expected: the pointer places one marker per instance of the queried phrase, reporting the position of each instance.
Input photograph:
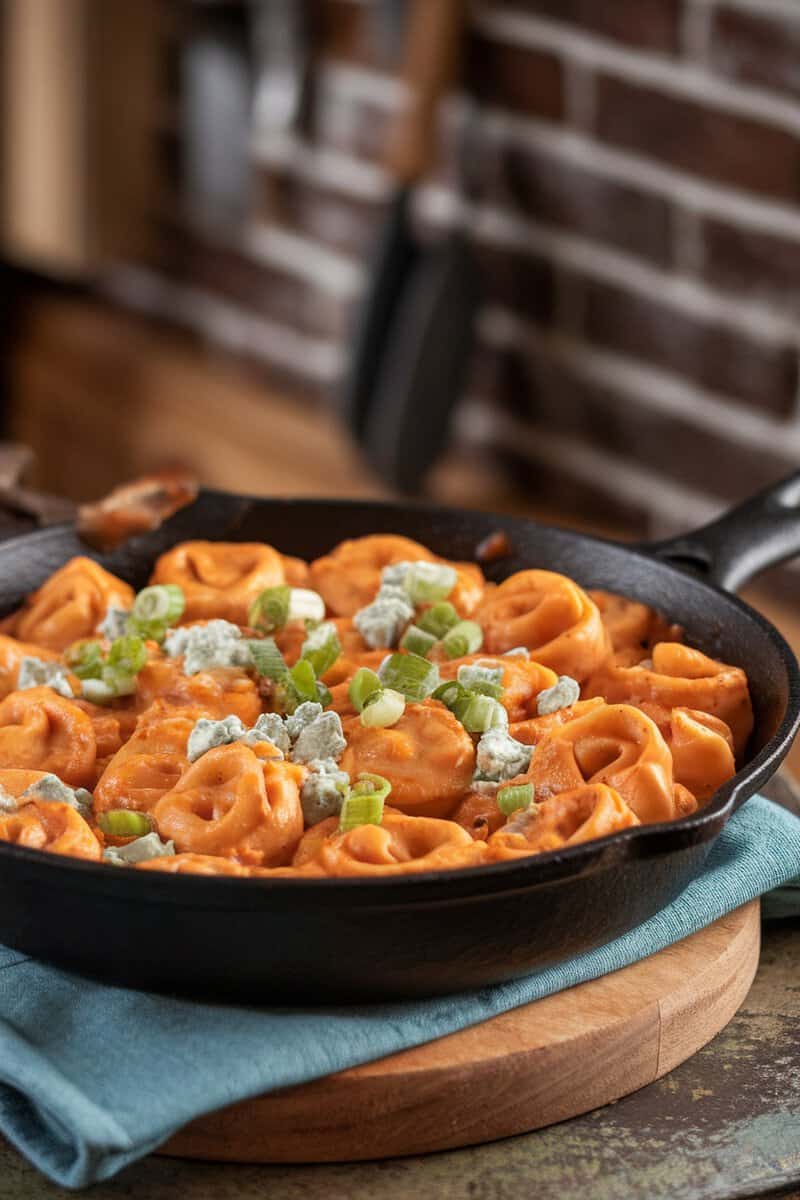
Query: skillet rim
(644, 841)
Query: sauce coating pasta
(387, 712)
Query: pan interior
(715, 622)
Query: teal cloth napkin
(93, 1077)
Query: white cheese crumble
(217, 644)
(305, 605)
(565, 692)
(500, 757)
(51, 788)
(115, 623)
(382, 622)
(207, 734)
(139, 850)
(303, 715)
(34, 672)
(322, 738)
(323, 790)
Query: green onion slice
(97, 691)
(322, 648)
(268, 659)
(429, 581)
(127, 655)
(510, 799)
(479, 714)
(85, 659)
(363, 685)
(383, 708)
(488, 680)
(410, 674)
(450, 692)
(270, 610)
(124, 822)
(360, 810)
(162, 603)
(303, 680)
(438, 619)
(417, 641)
(371, 785)
(464, 638)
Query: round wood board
(548, 1061)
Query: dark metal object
(324, 940)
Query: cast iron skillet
(327, 940)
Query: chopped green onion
(478, 714)
(324, 696)
(417, 641)
(383, 708)
(371, 785)
(303, 680)
(363, 684)
(510, 799)
(464, 638)
(305, 605)
(268, 659)
(270, 610)
(127, 654)
(363, 805)
(124, 822)
(427, 581)
(438, 619)
(119, 679)
(322, 648)
(162, 603)
(85, 659)
(410, 674)
(97, 691)
(450, 692)
(360, 810)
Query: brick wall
(638, 223)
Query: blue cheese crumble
(51, 788)
(207, 734)
(323, 790)
(500, 757)
(321, 738)
(517, 652)
(565, 692)
(35, 672)
(115, 623)
(303, 715)
(217, 644)
(8, 803)
(139, 850)
(382, 622)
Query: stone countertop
(724, 1124)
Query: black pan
(325, 940)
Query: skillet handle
(760, 533)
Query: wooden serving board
(548, 1061)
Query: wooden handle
(429, 64)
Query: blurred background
(575, 224)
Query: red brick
(762, 49)
(757, 264)
(523, 282)
(516, 77)
(709, 142)
(751, 372)
(556, 399)
(540, 186)
(649, 24)
(346, 223)
(260, 289)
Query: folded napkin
(93, 1077)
